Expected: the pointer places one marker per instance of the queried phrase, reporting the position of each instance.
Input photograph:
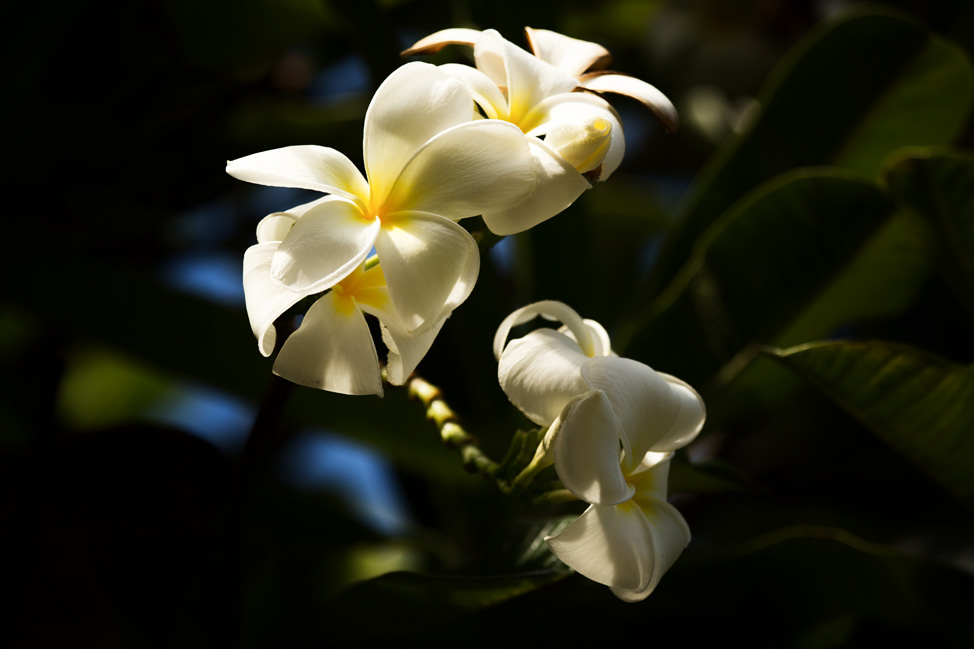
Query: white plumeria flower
(613, 424)
(629, 535)
(582, 134)
(427, 165)
(332, 349)
(583, 60)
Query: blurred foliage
(819, 189)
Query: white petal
(466, 170)
(331, 350)
(571, 55)
(582, 145)
(325, 245)
(540, 374)
(431, 265)
(265, 297)
(437, 41)
(610, 544)
(671, 535)
(528, 80)
(549, 310)
(580, 108)
(305, 167)
(485, 92)
(587, 451)
(415, 103)
(655, 414)
(406, 349)
(559, 184)
(601, 344)
(274, 227)
(622, 84)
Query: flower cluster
(516, 139)
(431, 159)
(613, 426)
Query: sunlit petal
(265, 297)
(466, 170)
(331, 350)
(415, 103)
(324, 246)
(580, 108)
(552, 310)
(571, 55)
(638, 89)
(587, 451)
(438, 40)
(431, 265)
(305, 167)
(610, 544)
(655, 414)
(558, 185)
(540, 374)
(485, 92)
(274, 227)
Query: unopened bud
(583, 146)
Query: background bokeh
(130, 512)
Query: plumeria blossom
(582, 134)
(427, 165)
(583, 60)
(332, 349)
(613, 424)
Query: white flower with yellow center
(332, 349)
(613, 424)
(580, 131)
(427, 165)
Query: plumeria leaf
(938, 186)
(918, 403)
(833, 101)
(775, 270)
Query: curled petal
(274, 227)
(655, 414)
(406, 349)
(266, 298)
(587, 451)
(580, 108)
(610, 544)
(305, 167)
(415, 103)
(583, 146)
(325, 245)
(431, 265)
(558, 185)
(602, 345)
(549, 310)
(540, 373)
(671, 535)
(438, 40)
(466, 170)
(571, 55)
(638, 89)
(332, 350)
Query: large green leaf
(940, 186)
(918, 403)
(835, 100)
(800, 256)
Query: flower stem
(451, 432)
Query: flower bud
(584, 145)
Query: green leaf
(918, 403)
(940, 187)
(800, 256)
(835, 101)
